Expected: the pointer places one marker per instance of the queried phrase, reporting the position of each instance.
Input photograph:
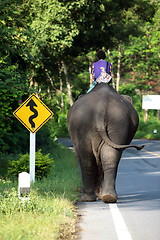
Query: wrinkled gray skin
(101, 124)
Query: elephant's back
(104, 102)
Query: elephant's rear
(102, 113)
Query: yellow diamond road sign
(33, 113)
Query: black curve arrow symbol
(32, 104)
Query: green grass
(146, 129)
(50, 212)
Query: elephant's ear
(128, 98)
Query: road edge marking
(119, 223)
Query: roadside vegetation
(46, 48)
(50, 213)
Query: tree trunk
(158, 114)
(112, 72)
(51, 82)
(145, 115)
(119, 68)
(90, 75)
(61, 86)
(61, 92)
(64, 67)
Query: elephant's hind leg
(110, 159)
(89, 176)
(89, 172)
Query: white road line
(120, 226)
(138, 157)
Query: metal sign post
(32, 156)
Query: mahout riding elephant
(101, 124)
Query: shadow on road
(137, 198)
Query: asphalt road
(136, 216)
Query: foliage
(43, 164)
(4, 163)
(144, 61)
(39, 37)
(142, 55)
(130, 90)
(39, 218)
(146, 129)
(58, 125)
(13, 83)
(50, 213)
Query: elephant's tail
(118, 146)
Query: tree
(48, 46)
(13, 82)
(142, 56)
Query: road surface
(136, 216)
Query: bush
(146, 129)
(4, 163)
(43, 165)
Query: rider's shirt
(99, 67)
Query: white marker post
(32, 156)
(23, 185)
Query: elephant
(101, 124)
